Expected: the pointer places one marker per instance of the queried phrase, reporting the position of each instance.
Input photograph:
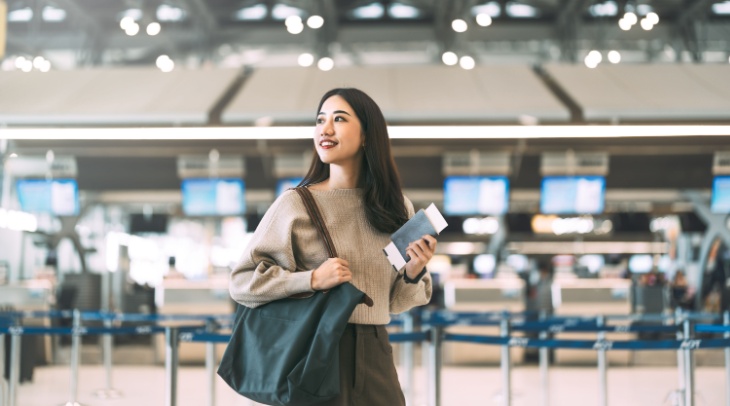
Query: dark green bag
(287, 352)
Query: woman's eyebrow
(335, 112)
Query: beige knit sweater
(286, 248)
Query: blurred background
(579, 149)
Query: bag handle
(311, 205)
(316, 217)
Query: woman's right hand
(332, 272)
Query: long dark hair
(383, 199)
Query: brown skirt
(367, 372)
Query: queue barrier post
(602, 365)
(14, 376)
(689, 370)
(107, 351)
(544, 361)
(681, 389)
(726, 323)
(3, 384)
(210, 327)
(434, 369)
(75, 357)
(171, 364)
(505, 361)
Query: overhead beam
(202, 15)
(81, 14)
(567, 25)
(690, 17)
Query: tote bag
(286, 352)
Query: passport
(426, 221)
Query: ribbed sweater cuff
(301, 282)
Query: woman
(355, 183)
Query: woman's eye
(319, 121)
(339, 119)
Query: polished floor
(461, 386)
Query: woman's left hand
(421, 251)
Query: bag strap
(316, 217)
(311, 205)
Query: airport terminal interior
(579, 151)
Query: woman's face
(338, 134)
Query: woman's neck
(342, 177)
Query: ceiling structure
(239, 34)
(74, 34)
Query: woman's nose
(327, 128)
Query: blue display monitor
(286, 183)
(213, 197)
(474, 195)
(59, 197)
(720, 195)
(572, 194)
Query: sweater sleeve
(268, 271)
(405, 296)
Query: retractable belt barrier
(433, 333)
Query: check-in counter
(481, 295)
(592, 297)
(181, 296)
(31, 295)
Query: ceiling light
(467, 62)
(492, 9)
(295, 29)
(624, 24)
(45, 67)
(134, 13)
(593, 59)
(153, 28)
(20, 15)
(326, 64)
(643, 9)
(305, 59)
(395, 132)
(164, 63)
(518, 10)
(282, 12)
(484, 20)
(26, 66)
(605, 9)
(126, 22)
(314, 22)
(132, 29)
(253, 13)
(8, 65)
(721, 8)
(397, 10)
(614, 56)
(169, 13)
(293, 20)
(53, 14)
(459, 25)
(646, 24)
(19, 61)
(371, 11)
(450, 58)
(38, 61)
(653, 18)
(595, 56)
(631, 18)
